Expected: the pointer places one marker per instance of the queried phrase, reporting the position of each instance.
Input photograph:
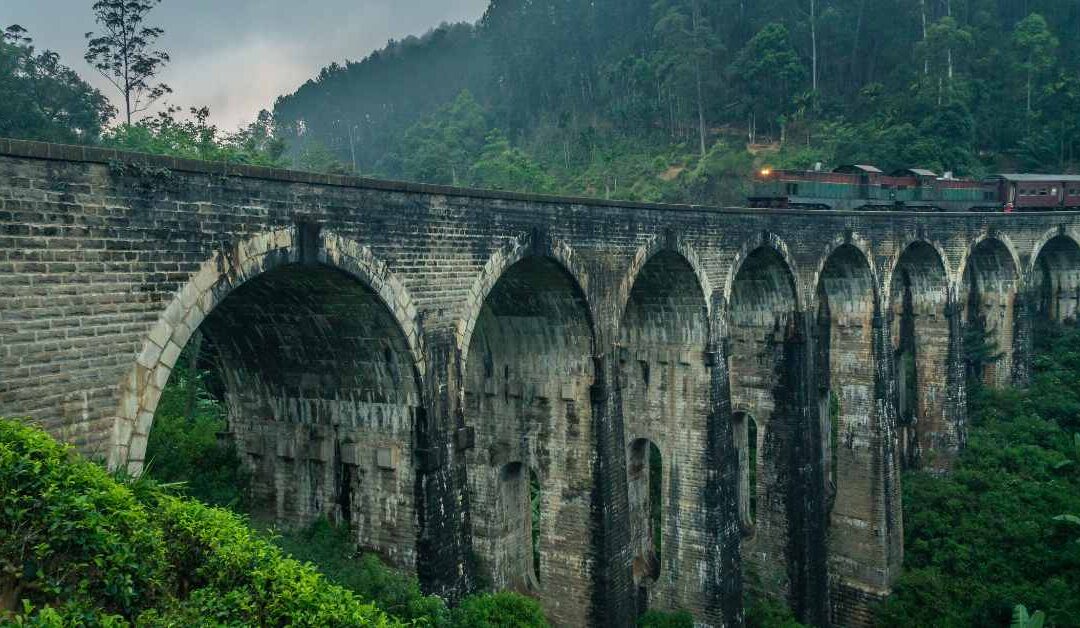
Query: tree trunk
(813, 44)
(193, 376)
(855, 44)
(1029, 78)
(700, 109)
(926, 60)
(948, 12)
(696, 13)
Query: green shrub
(331, 549)
(661, 619)
(75, 539)
(768, 612)
(498, 610)
(184, 444)
(68, 531)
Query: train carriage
(1037, 192)
(864, 187)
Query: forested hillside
(680, 99)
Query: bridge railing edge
(28, 149)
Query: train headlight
(765, 172)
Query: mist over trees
(657, 100)
(635, 98)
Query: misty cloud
(237, 56)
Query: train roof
(917, 172)
(1036, 178)
(858, 168)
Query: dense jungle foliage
(672, 100)
(680, 99)
(1004, 527)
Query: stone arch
(860, 244)
(228, 269)
(1061, 231)
(665, 398)
(512, 252)
(920, 315)
(664, 245)
(766, 368)
(772, 242)
(990, 275)
(851, 430)
(320, 370)
(904, 246)
(998, 239)
(1054, 277)
(527, 387)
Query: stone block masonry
(428, 364)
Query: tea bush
(79, 548)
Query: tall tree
(688, 49)
(123, 53)
(769, 71)
(42, 99)
(1035, 46)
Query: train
(864, 187)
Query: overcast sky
(237, 56)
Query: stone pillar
(445, 560)
(806, 508)
(1025, 310)
(890, 524)
(614, 602)
(954, 410)
(723, 586)
(868, 575)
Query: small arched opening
(746, 446)
(646, 480)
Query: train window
(1043, 192)
(793, 189)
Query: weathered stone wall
(406, 357)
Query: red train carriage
(1037, 192)
(863, 187)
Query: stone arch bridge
(698, 400)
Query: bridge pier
(861, 471)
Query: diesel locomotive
(863, 187)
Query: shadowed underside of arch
(527, 393)
(922, 332)
(320, 382)
(991, 281)
(665, 394)
(322, 398)
(1056, 280)
(767, 368)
